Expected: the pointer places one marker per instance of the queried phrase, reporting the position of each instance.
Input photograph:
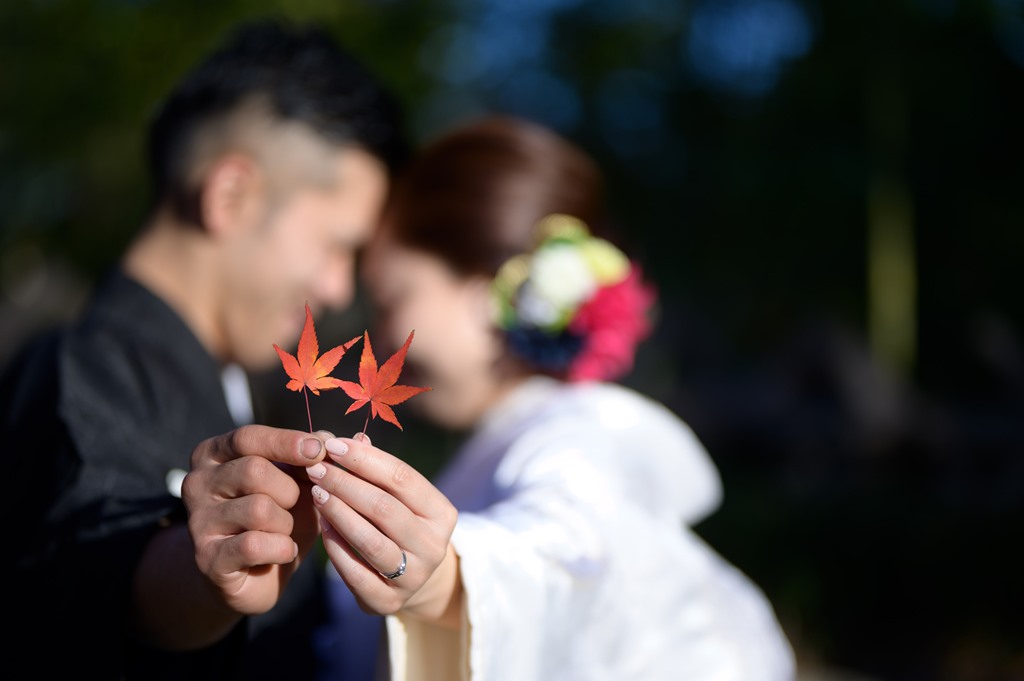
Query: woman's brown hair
(475, 194)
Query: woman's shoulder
(616, 406)
(622, 435)
(544, 411)
(663, 454)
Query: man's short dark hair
(301, 74)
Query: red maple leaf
(308, 371)
(378, 387)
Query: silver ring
(399, 572)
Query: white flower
(533, 309)
(560, 275)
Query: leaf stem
(367, 424)
(308, 414)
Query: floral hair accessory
(575, 306)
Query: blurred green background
(827, 192)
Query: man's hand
(251, 515)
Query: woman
(572, 557)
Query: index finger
(274, 444)
(384, 470)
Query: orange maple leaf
(378, 387)
(308, 371)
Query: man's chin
(259, 361)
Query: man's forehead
(351, 206)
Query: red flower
(612, 322)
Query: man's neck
(177, 262)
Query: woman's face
(455, 350)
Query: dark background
(828, 194)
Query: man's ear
(232, 194)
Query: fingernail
(362, 436)
(320, 494)
(296, 553)
(317, 472)
(336, 446)
(311, 448)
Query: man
(270, 164)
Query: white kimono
(576, 558)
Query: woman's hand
(382, 518)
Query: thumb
(280, 445)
